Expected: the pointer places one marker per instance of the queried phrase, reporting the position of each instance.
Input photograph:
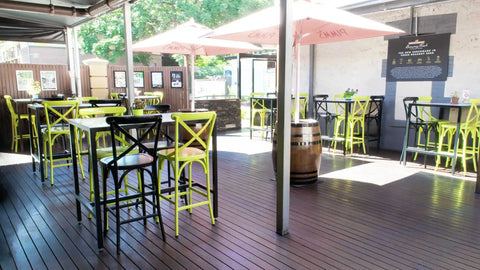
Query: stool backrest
(375, 107)
(159, 94)
(258, 104)
(360, 105)
(425, 112)
(151, 124)
(303, 102)
(321, 106)
(103, 111)
(199, 127)
(339, 107)
(58, 112)
(414, 113)
(473, 113)
(8, 100)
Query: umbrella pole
(192, 75)
(296, 47)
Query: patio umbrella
(313, 24)
(187, 39)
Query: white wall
(464, 45)
(358, 64)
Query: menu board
(418, 58)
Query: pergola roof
(46, 20)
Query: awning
(46, 20)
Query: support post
(71, 64)
(285, 58)
(128, 51)
(239, 76)
(76, 62)
(311, 74)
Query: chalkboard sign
(418, 58)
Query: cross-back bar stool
(136, 157)
(16, 119)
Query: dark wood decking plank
(6, 258)
(304, 255)
(368, 221)
(269, 219)
(40, 236)
(67, 218)
(206, 223)
(251, 221)
(189, 239)
(354, 228)
(340, 227)
(129, 261)
(27, 241)
(258, 206)
(15, 247)
(420, 222)
(217, 255)
(206, 261)
(400, 230)
(247, 184)
(132, 180)
(241, 253)
(62, 245)
(287, 259)
(246, 204)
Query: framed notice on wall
(138, 79)
(157, 79)
(176, 79)
(48, 79)
(24, 79)
(119, 78)
(418, 58)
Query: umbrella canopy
(313, 23)
(188, 39)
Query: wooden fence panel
(176, 97)
(8, 86)
(8, 82)
(85, 79)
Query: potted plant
(138, 106)
(35, 89)
(349, 93)
(454, 96)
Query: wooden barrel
(305, 152)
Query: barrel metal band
(300, 173)
(303, 135)
(306, 143)
(305, 123)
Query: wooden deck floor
(421, 221)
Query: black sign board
(176, 79)
(418, 58)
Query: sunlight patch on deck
(377, 173)
(12, 159)
(240, 144)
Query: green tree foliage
(104, 35)
(209, 66)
